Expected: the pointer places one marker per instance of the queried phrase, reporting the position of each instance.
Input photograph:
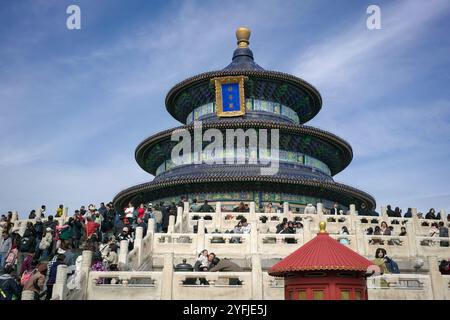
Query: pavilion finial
(243, 36)
(323, 227)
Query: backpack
(392, 265)
(25, 244)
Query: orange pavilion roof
(321, 253)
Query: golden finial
(243, 35)
(323, 227)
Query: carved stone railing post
(443, 216)
(218, 207)
(179, 222)
(167, 277)
(171, 227)
(411, 235)
(352, 210)
(201, 235)
(416, 222)
(65, 215)
(123, 255)
(151, 226)
(257, 278)
(306, 230)
(286, 208)
(254, 239)
(86, 263)
(360, 239)
(437, 281)
(138, 243)
(14, 217)
(384, 215)
(59, 288)
(186, 206)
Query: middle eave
(325, 146)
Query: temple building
(255, 99)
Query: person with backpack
(386, 264)
(9, 287)
(26, 246)
(77, 230)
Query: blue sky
(75, 103)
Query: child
(203, 260)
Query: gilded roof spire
(243, 36)
(323, 227)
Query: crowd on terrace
(29, 261)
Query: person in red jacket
(90, 227)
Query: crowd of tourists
(29, 258)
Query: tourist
(430, 214)
(181, 202)
(269, 208)
(59, 211)
(36, 281)
(43, 211)
(82, 211)
(129, 211)
(380, 260)
(5, 247)
(226, 265)
(11, 257)
(50, 223)
(364, 211)
(397, 212)
(298, 227)
(27, 245)
(141, 211)
(52, 275)
(90, 227)
(126, 236)
(369, 231)
(389, 211)
(195, 207)
(443, 233)
(375, 240)
(402, 232)
(111, 259)
(206, 207)
(45, 244)
(335, 209)
(310, 209)
(408, 213)
(245, 226)
(202, 262)
(103, 210)
(32, 215)
(280, 208)
(281, 226)
(9, 286)
(343, 233)
(77, 229)
(385, 231)
(285, 229)
(158, 218)
(141, 223)
(97, 265)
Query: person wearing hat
(125, 235)
(36, 281)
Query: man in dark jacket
(26, 246)
(52, 275)
(206, 207)
(50, 223)
(226, 265)
(9, 286)
(77, 230)
(165, 218)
